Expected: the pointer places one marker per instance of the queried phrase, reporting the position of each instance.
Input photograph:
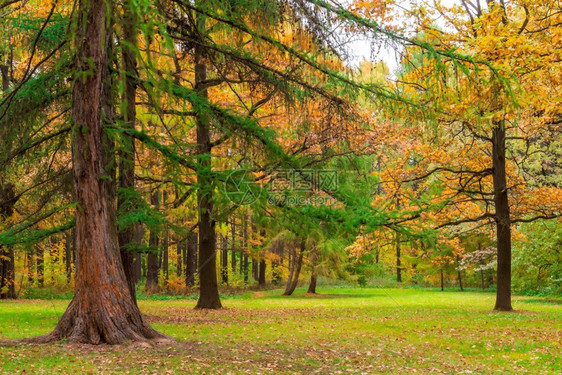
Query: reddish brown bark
(127, 153)
(103, 309)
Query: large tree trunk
(103, 309)
(152, 257)
(208, 285)
(503, 220)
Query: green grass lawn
(345, 330)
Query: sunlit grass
(343, 330)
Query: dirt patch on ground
(182, 319)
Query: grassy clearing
(345, 330)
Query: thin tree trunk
(275, 273)
(244, 259)
(165, 245)
(503, 220)
(152, 258)
(103, 309)
(224, 262)
(30, 264)
(233, 245)
(313, 256)
(459, 274)
(241, 272)
(185, 260)
(246, 267)
(261, 277)
(244, 243)
(40, 266)
(398, 262)
(291, 258)
(179, 261)
(442, 281)
(297, 267)
(253, 232)
(191, 257)
(165, 256)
